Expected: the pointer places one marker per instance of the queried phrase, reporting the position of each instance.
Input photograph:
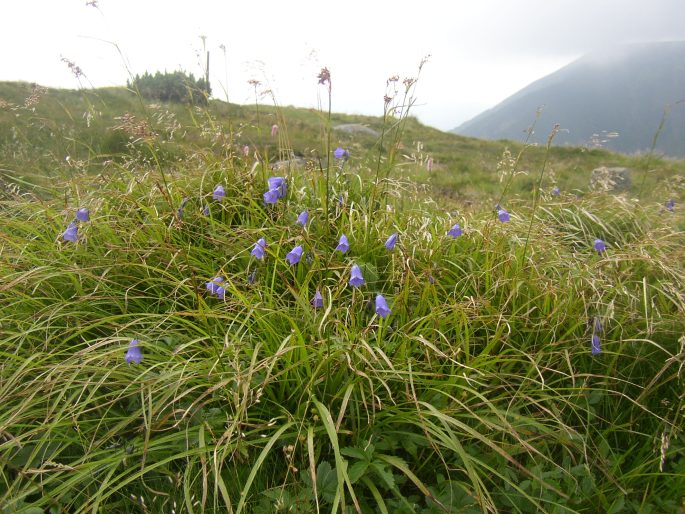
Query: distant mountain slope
(624, 90)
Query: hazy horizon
(480, 54)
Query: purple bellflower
(382, 308)
(214, 288)
(83, 214)
(219, 192)
(455, 231)
(303, 218)
(596, 348)
(341, 153)
(343, 244)
(600, 246)
(392, 240)
(133, 354)
(294, 255)
(670, 205)
(259, 247)
(356, 278)
(205, 211)
(503, 215)
(317, 301)
(556, 191)
(71, 233)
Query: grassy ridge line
(480, 383)
(87, 126)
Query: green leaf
(357, 470)
(326, 482)
(354, 452)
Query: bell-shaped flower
(455, 231)
(214, 288)
(356, 278)
(294, 255)
(595, 345)
(556, 191)
(382, 308)
(392, 240)
(599, 245)
(503, 215)
(259, 248)
(205, 211)
(303, 218)
(343, 244)
(317, 301)
(71, 233)
(219, 192)
(670, 205)
(134, 353)
(83, 214)
(278, 183)
(341, 153)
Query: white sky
(482, 50)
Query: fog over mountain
(615, 97)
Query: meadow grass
(478, 393)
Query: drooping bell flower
(503, 215)
(214, 288)
(382, 308)
(556, 191)
(670, 205)
(71, 233)
(259, 248)
(317, 301)
(219, 192)
(595, 345)
(134, 353)
(205, 211)
(303, 218)
(277, 189)
(294, 255)
(356, 277)
(83, 214)
(343, 244)
(392, 240)
(341, 153)
(600, 246)
(455, 231)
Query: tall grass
(478, 393)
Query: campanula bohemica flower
(455, 231)
(71, 233)
(382, 308)
(259, 247)
(356, 278)
(392, 240)
(134, 353)
(294, 255)
(83, 214)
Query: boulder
(356, 128)
(615, 179)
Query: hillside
(614, 97)
(51, 134)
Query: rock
(356, 128)
(615, 179)
(294, 163)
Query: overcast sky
(481, 51)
